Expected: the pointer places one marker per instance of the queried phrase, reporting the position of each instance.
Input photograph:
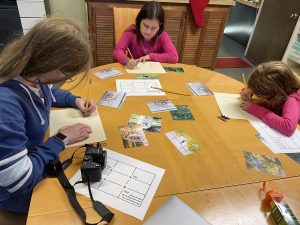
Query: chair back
(123, 17)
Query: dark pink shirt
(162, 50)
(287, 122)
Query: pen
(172, 92)
(244, 80)
(88, 94)
(130, 53)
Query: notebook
(175, 212)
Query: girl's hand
(131, 64)
(246, 94)
(80, 103)
(143, 59)
(245, 105)
(76, 132)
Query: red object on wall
(198, 7)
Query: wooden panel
(175, 17)
(190, 41)
(211, 35)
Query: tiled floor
(230, 48)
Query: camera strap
(56, 169)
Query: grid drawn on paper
(139, 87)
(182, 142)
(281, 141)
(112, 99)
(122, 181)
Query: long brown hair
(52, 44)
(151, 10)
(273, 82)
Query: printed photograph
(133, 136)
(151, 124)
(182, 113)
(263, 163)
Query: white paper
(112, 99)
(139, 87)
(69, 116)
(229, 105)
(127, 184)
(275, 141)
(148, 67)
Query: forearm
(285, 124)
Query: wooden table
(214, 181)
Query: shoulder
(10, 102)
(130, 29)
(295, 96)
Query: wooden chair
(123, 17)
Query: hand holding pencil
(87, 107)
(245, 94)
(130, 63)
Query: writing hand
(131, 64)
(80, 103)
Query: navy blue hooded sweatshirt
(24, 120)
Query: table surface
(213, 181)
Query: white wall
(76, 9)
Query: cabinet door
(211, 35)
(273, 29)
(191, 40)
(102, 33)
(175, 19)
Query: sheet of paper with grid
(275, 141)
(127, 184)
(139, 87)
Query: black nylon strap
(55, 169)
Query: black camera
(94, 161)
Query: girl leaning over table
(54, 50)
(273, 96)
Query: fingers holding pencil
(86, 111)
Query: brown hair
(52, 44)
(273, 82)
(151, 10)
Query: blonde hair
(273, 81)
(52, 44)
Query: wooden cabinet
(195, 46)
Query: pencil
(130, 53)
(88, 94)
(244, 80)
(172, 92)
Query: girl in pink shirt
(146, 39)
(273, 96)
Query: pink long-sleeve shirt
(162, 50)
(287, 122)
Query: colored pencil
(168, 91)
(88, 94)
